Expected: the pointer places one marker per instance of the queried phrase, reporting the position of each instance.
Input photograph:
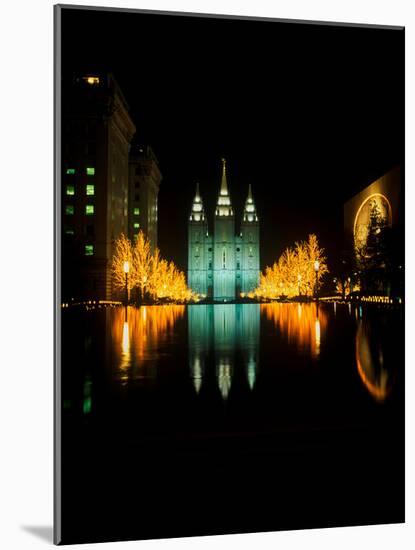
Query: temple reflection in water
(226, 331)
(223, 342)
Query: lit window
(89, 249)
(70, 190)
(69, 209)
(136, 211)
(70, 171)
(136, 225)
(90, 189)
(89, 209)
(69, 232)
(90, 171)
(91, 80)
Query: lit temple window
(70, 190)
(69, 209)
(90, 189)
(70, 171)
(136, 211)
(90, 171)
(136, 225)
(89, 209)
(89, 249)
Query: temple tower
(249, 246)
(198, 238)
(224, 271)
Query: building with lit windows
(96, 134)
(144, 184)
(224, 264)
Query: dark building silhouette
(96, 134)
(144, 184)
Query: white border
(26, 267)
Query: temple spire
(250, 214)
(224, 207)
(224, 183)
(197, 214)
(250, 193)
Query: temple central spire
(224, 183)
(224, 207)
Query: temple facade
(223, 265)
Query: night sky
(308, 114)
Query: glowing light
(361, 223)
(125, 338)
(70, 171)
(149, 273)
(91, 80)
(224, 379)
(318, 336)
(294, 273)
(370, 366)
(302, 330)
(126, 266)
(251, 373)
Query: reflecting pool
(228, 403)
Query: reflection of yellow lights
(125, 338)
(146, 329)
(378, 387)
(303, 330)
(317, 336)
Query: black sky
(308, 114)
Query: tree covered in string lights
(149, 274)
(294, 273)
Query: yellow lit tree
(123, 253)
(149, 273)
(143, 263)
(294, 274)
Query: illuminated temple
(223, 265)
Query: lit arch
(364, 203)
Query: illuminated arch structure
(383, 195)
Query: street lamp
(299, 285)
(316, 268)
(126, 271)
